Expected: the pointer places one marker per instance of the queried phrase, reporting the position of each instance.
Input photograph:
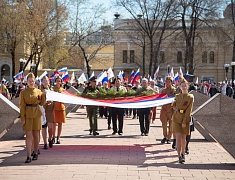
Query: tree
(155, 14)
(90, 33)
(12, 28)
(194, 14)
(46, 21)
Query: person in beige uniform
(49, 108)
(30, 114)
(181, 118)
(167, 111)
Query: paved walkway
(131, 156)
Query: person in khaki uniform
(177, 91)
(49, 108)
(167, 111)
(59, 111)
(92, 111)
(30, 114)
(181, 118)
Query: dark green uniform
(92, 112)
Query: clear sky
(107, 3)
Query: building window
(212, 57)
(179, 57)
(204, 57)
(124, 56)
(132, 56)
(162, 57)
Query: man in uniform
(118, 113)
(144, 113)
(167, 111)
(92, 111)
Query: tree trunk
(143, 53)
(151, 56)
(13, 62)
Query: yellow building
(212, 50)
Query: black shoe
(174, 143)
(168, 141)
(180, 160)
(53, 140)
(142, 134)
(95, 133)
(90, 132)
(58, 141)
(114, 133)
(146, 134)
(120, 133)
(109, 127)
(45, 146)
(28, 160)
(183, 158)
(50, 144)
(35, 157)
(186, 150)
(163, 140)
(134, 117)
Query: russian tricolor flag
(187, 76)
(62, 71)
(19, 76)
(176, 77)
(136, 76)
(65, 77)
(132, 75)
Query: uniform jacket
(31, 96)
(167, 108)
(183, 102)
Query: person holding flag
(59, 111)
(92, 111)
(167, 111)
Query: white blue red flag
(125, 102)
(156, 73)
(132, 75)
(136, 77)
(62, 71)
(65, 77)
(19, 76)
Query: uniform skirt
(177, 127)
(59, 116)
(49, 112)
(33, 124)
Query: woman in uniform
(30, 114)
(59, 111)
(49, 106)
(181, 118)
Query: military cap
(93, 78)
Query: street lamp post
(168, 70)
(22, 63)
(226, 67)
(233, 64)
(33, 66)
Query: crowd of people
(37, 114)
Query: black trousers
(117, 114)
(109, 109)
(135, 112)
(144, 119)
(101, 111)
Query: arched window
(212, 57)
(204, 57)
(5, 71)
(179, 57)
